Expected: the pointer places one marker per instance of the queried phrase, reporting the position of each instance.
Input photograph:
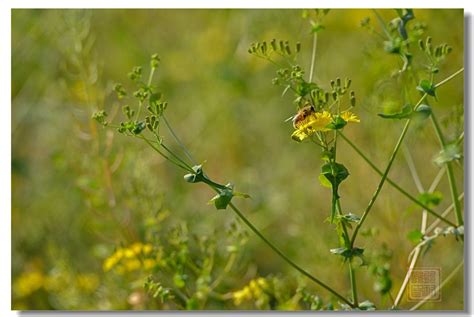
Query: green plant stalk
(450, 171)
(347, 240)
(391, 182)
(384, 177)
(284, 257)
(355, 300)
(313, 56)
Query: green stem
(284, 257)
(313, 56)
(183, 147)
(385, 174)
(391, 182)
(444, 81)
(150, 143)
(382, 180)
(355, 300)
(392, 158)
(450, 171)
(347, 241)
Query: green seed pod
(282, 46)
(352, 93)
(298, 47)
(438, 51)
(429, 47)
(273, 44)
(334, 95)
(338, 82)
(264, 47)
(326, 97)
(421, 44)
(333, 84)
(347, 83)
(449, 49)
(353, 101)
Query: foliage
(126, 231)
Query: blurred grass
(70, 209)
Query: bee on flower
(307, 122)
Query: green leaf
(225, 195)
(451, 152)
(335, 173)
(350, 217)
(405, 113)
(427, 87)
(415, 236)
(430, 199)
(222, 199)
(337, 123)
(347, 253)
(324, 181)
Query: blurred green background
(81, 192)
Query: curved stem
(391, 182)
(382, 180)
(285, 258)
(183, 147)
(424, 220)
(449, 168)
(313, 56)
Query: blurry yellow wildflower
(240, 296)
(28, 282)
(147, 248)
(349, 117)
(254, 290)
(149, 264)
(131, 258)
(110, 262)
(136, 248)
(132, 265)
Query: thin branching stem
(313, 56)
(391, 182)
(450, 172)
(175, 136)
(424, 220)
(286, 258)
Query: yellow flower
(349, 117)
(240, 296)
(132, 265)
(149, 264)
(110, 262)
(315, 122)
(129, 253)
(147, 248)
(136, 247)
(318, 121)
(28, 282)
